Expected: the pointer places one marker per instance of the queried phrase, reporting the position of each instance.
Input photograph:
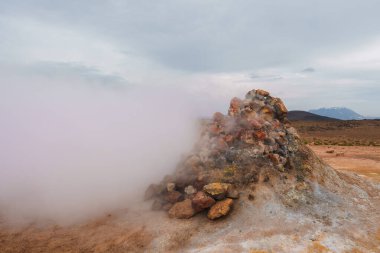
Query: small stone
(221, 144)
(182, 210)
(275, 158)
(173, 197)
(248, 114)
(214, 129)
(283, 160)
(260, 135)
(250, 94)
(247, 137)
(232, 193)
(302, 186)
(266, 110)
(281, 140)
(229, 138)
(193, 161)
(234, 106)
(190, 190)
(262, 93)
(221, 208)
(218, 117)
(269, 141)
(267, 113)
(202, 201)
(217, 190)
(246, 102)
(170, 187)
(281, 108)
(255, 124)
(281, 168)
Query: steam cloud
(69, 152)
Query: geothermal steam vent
(253, 144)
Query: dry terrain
(362, 160)
(340, 133)
(350, 146)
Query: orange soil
(364, 161)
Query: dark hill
(307, 116)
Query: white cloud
(364, 57)
(213, 48)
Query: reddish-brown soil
(340, 133)
(364, 161)
(355, 145)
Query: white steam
(69, 152)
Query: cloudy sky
(316, 53)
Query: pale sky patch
(311, 54)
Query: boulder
(173, 197)
(182, 210)
(202, 201)
(221, 208)
(217, 190)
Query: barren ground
(340, 133)
(363, 160)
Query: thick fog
(70, 151)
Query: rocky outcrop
(249, 145)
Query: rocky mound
(253, 143)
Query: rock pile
(231, 153)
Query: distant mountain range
(307, 116)
(342, 113)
